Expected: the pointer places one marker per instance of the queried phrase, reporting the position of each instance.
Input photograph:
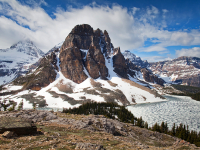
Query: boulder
(19, 126)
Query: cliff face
(84, 49)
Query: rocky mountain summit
(17, 60)
(183, 70)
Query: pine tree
(20, 106)
(146, 125)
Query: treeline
(180, 131)
(193, 92)
(195, 96)
(109, 110)
(114, 111)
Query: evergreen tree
(146, 125)
(20, 106)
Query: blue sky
(155, 30)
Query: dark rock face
(95, 63)
(119, 63)
(147, 74)
(73, 59)
(71, 65)
(81, 37)
(150, 77)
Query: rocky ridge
(67, 131)
(183, 70)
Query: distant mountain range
(17, 59)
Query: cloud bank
(192, 52)
(127, 29)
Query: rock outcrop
(119, 63)
(150, 77)
(84, 48)
(71, 64)
(18, 126)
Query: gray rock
(88, 146)
(8, 134)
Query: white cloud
(193, 52)
(182, 38)
(124, 28)
(164, 11)
(135, 9)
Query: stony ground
(68, 131)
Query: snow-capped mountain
(86, 68)
(183, 70)
(135, 59)
(17, 59)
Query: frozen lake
(177, 109)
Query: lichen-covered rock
(19, 125)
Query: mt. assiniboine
(86, 67)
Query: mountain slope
(87, 67)
(183, 70)
(17, 59)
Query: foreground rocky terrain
(56, 130)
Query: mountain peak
(27, 46)
(83, 29)
(135, 59)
